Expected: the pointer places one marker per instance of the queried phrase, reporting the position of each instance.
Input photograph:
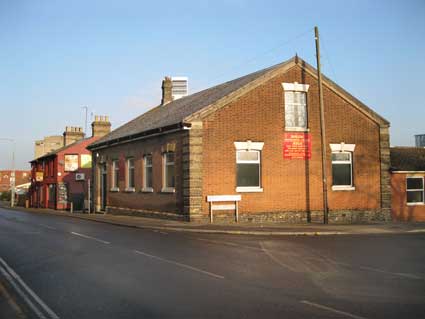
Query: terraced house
(256, 140)
(60, 178)
(407, 183)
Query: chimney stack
(167, 87)
(100, 126)
(72, 134)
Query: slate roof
(176, 111)
(407, 159)
(56, 151)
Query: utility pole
(88, 195)
(322, 130)
(13, 178)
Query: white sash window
(415, 190)
(295, 106)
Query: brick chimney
(167, 86)
(100, 126)
(72, 134)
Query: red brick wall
(52, 176)
(399, 208)
(290, 185)
(74, 186)
(21, 177)
(156, 200)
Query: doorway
(103, 186)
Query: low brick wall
(335, 217)
(301, 217)
(145, 213)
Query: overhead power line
(328, 58)
(260, 55)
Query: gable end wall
(292, 189)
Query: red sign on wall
(297, 146)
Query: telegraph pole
(13, 179)
(322, 130)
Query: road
(84, 269)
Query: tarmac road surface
(72, 268)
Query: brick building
(60, 177)
(21, 177)
(407, 183)
(257, 136)
(47, 144)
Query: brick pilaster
(384, 147)
(192, 172)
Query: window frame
(416, 190)
(345, 162)
(241, 162)
(295, 88)
(46, 169)
(52, 191)
(165, 163)
(130, 188)
(51, 168)
(145, 188)
(115, 167)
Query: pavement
(263, 229)
(75, 268)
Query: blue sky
(58, 56)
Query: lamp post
(12, 175)
(85, 123)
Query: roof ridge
(202, 103)
(60, 149)
(197, 100)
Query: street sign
(39, 176)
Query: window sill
(168, 190)
(114, 189)
(296, 129)
(415, 204)
(249, 189)
(147, 190)
(130, 190)
(343, 188)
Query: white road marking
(410, 276)
(399, 274)
(14, 279)
(12, 303)
(93, 238)
(277, 261)
(29, 303)
(347, 314)
(47, 226)
(228, 244)
(159, 231)
(416, 231)
(179, 264)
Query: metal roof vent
(179, 87)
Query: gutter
(142, 135)
(407, 172)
